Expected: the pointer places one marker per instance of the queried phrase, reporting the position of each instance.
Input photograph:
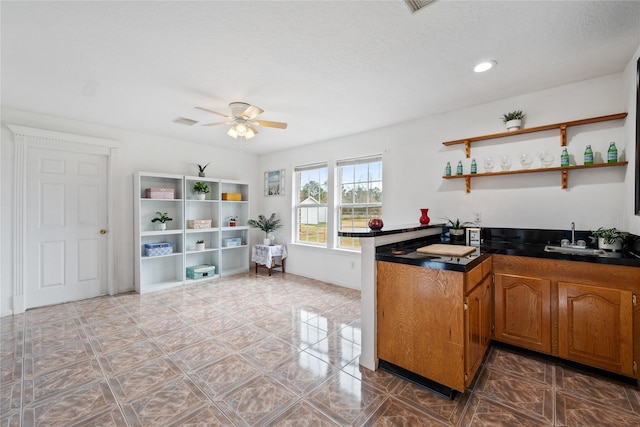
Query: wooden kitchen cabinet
(594, 326)
(522, 311)
(579, 311)
(477, 327)
(422, 324)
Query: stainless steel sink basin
(575, 250)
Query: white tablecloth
(263, 254)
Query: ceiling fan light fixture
(484, 66)
(232, 132)
(251, 132)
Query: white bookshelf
(165, 271)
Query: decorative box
(198, 223)
(160, 193)
(158, 249)
(232, 242)
(236, 197)
(200, 271)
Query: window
(311, 204)
(360, 183)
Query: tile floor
(263, 351)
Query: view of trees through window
(311, 205)
(361, 196)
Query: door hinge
(635, 367)
(633, 299)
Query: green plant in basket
(200, 187)
(513, 115)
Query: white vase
(266, 242)
(161, 226)
(200, 196)
(615, 246)
(199, 246)
(513, 124)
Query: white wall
(139, 152)
(414, 160)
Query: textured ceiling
(328, 68)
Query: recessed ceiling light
(484, 66)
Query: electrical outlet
(476, 217)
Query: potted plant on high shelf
(200, 245)
(201, 189)
(610, 238)
(513, 120)
(161, 219)
(456, 228)
(201, 168)
(268, 225)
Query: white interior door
(66, 212)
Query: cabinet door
(522, 311)
(420, 319)
(595, 326)
(477, 327)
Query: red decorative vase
(424, 219)
(375, 224)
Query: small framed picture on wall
(274, 183)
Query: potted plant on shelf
(513, 120)
(201, 189)
(456, 227)
(233, 220)
(161, 219)
(268, 225)
(201, 168)
(200, 245)
(610, 238)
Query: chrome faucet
(573, 233)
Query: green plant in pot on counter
(456, 227)
(610, 238)
(267, 225)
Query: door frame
(26, 138)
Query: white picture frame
(474, 237)
(274, 183)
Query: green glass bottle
(588, 156)
(447, 169)
(459, 168)
(474, 166)
(612, 153)
(564, 157)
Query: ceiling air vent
(416, 5)
(184, 121)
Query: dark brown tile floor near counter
(254, 350)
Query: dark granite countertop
(405, 252)
(397, 229)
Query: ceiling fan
(242, 120)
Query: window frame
(340, 204)
(297, 205)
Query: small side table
(268, 256)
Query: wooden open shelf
(562, 126)
(564, 169)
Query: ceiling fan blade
(215, 123)
(213, 112)
(270, 124)
(251, 112)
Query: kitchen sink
(572, 250)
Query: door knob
(103, 231)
